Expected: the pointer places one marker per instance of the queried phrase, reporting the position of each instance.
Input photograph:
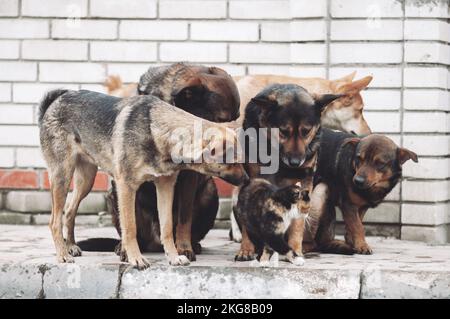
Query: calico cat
(266, 211)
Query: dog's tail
(112, 83)
(336, 247)
(98, 244)
(48, 99)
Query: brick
(383, 77)
(426, 9)
(224, 31)
(276, 31)
(101, 182)
(383, 122)
(388, 213)
(195, 52)
(129, 72)
(18, 71)
(192, 9)
(16, 114)
(426, 122)
(10, 218)
(54, 8)
(307, 71)
(123, 51)
(153, 30)
(366, 8)
(268, 69)
(432, 235)
(426, 30)
(381, 99)
(5, 92)
(225, 209)
(308, 30)
(29, 157)
(308, 53)
(418, 77)
(10, 49)
(123, 9)
(308, 9)
(6, 159)
(85, 29)
(394, 195)
(93, 203)
(425, 214)
(260, 9)
(364, 30)
(34, 92)
(54, 50)
(9, 8)
(223, 188)
(427, 53)
(71, 72)
(428, 145)
(232, 69)
(24, 135)
(426, 100)
(425, 191)
(432, 168)
(259, 53)
(94, 87)
(23, 29)
(22, 179)
(364, 53)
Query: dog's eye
(380, 165)
(305, 131)
(284, 132)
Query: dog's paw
(185, 248)
(178, 260)
(244, 255)
(363, 249)
(137, 261)
(197, 247)
(74, 250)
(298, 261)
(65, 258)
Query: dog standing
(131, 140)
(296, 113)
(209, 93)
(354, 174)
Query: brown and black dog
(209, 93)
(296, 113)
(354, 174)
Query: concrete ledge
(398, 269)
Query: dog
(296, 113)
(134, 140)
(266, 212)
(354, 174)
(344, 114)
(207, 92)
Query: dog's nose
(359, 180)
(294, 162)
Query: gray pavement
(397, 269)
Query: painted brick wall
(75, 44)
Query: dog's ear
(404, 154)
(356, 86)
(322, 100)
(342, 81)
(351, 141)
(183, 95)
(262, 107)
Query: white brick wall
(74, 44)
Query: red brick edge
(38, 180)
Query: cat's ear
(287, 196)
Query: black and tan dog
(207, 92)
(133, 140)
(354, 174)
(296, 113)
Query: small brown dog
(354, 174)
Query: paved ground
(397, 269)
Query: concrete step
(397, 269)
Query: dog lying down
(133, 140)
(267, 211)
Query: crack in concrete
(42, 269)
(122, 269)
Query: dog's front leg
(130, 250)
(165, 187)
(355, 230)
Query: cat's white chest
(293, 213)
